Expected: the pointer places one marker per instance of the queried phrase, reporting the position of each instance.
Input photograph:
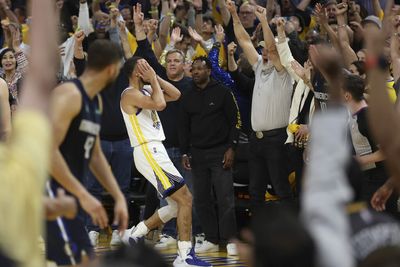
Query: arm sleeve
(229, 32)
(326, 190)
(286, 58)
(244, 84)
(114, 35)
(80, 65)
(144, 50)
(84, 19)
(217, 72)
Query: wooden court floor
(215, 258)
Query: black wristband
(199, 11)
(217, 44)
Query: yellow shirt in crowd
(24, 162)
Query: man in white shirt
(269, 112)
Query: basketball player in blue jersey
(139, 105)
(76, 111)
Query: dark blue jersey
(77, 147)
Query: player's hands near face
(146, 72)
(93, 207)
(121, 214)
(229, 157)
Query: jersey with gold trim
(144, 126)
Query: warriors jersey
(144, 126)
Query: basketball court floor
(214, 258)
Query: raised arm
(270, 9)
(284, 52)
(78, 47)
(326, 190)
(242, 36)
(269, 39)
(6, 12)
(84, 18)
(113, 30)
(165, 24)
(138, 18)
(385, 121)
(322, 17)
(171, 93)
(348, 54)
(198, 7)
(124, 39)
(232, 66)
(144, 48)
(226, 16)
(217, 72)
(152, 37)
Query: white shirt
(144, 126)
(271, 97)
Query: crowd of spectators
(304, 91)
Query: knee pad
(168, 212)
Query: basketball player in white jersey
(139, 105)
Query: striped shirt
(271, 97)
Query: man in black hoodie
(209, 127)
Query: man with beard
(139, 106)
(76, 121)
(209, 128)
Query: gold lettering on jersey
(89, 127)
(156, 120)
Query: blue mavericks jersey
(79, 141)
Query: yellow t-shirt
(24, 162)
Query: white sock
(184, 248)
(140, 230)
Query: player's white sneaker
(166, 242)
(231, 249)
(115, 239)
(94, 238)
(129, 239)
(206, 247)
(191, 260)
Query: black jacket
(209, 117)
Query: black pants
(295, 157)
(373, 180)
(268, 162)
(208, 176)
